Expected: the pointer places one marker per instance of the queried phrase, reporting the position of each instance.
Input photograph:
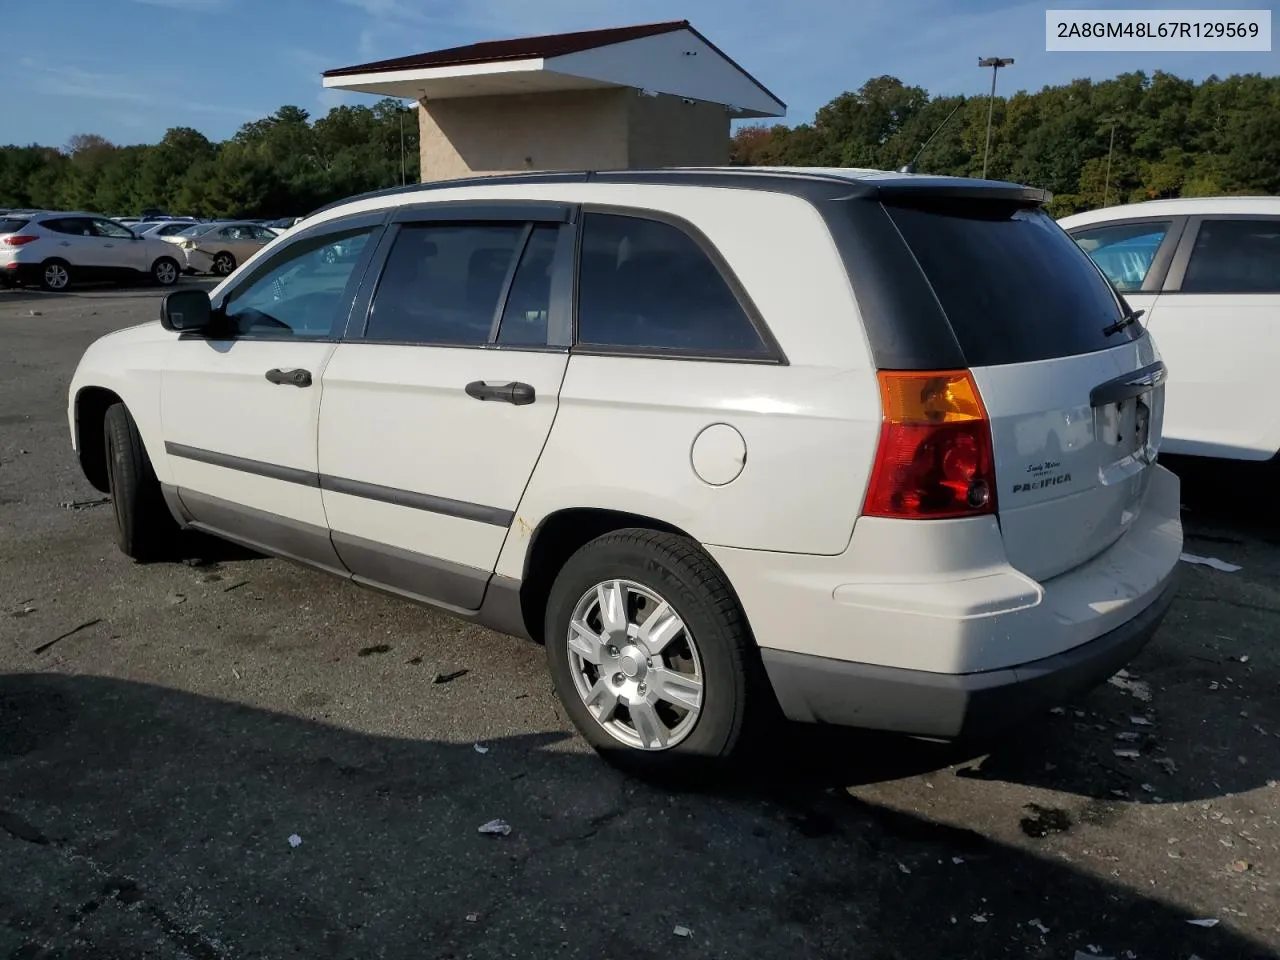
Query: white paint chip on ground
(481, 748)
(496, 828)
(1213, 562)
(680, 931)
(295, 840)
(1038, 925)
(1136, 688)
(1209, 922)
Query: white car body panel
(1221, 348)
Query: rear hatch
(1075, 394)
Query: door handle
(516, 393)
(293, 378)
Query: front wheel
(165, 272)
(651, 654)
(145, 529)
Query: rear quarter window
(1014, 287)
(12, 225)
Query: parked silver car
(219, 248)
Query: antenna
(911, 167)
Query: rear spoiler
(917, 188)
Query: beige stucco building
(628, 97)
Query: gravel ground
(165, 730)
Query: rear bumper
(822, 690)
(19, 274)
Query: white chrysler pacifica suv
(876, 449)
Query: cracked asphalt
(165, 730)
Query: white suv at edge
(878, 449)
(56, 250)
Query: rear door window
(646, 285)
(1235, 256)
(1123, 251)
(1014, 287)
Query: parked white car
(1206, 271)
(878, 448)
(56, 250)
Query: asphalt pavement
(234, 757)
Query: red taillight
(17, 239)
(934, 459)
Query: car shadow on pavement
(137, 820)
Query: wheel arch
(91, 407)
(556, 538)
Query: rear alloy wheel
(651, 655)
(223, 264)
(165, 272)
(329, 255)
(55, 275)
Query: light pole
(402, 113)
(1106, 184)
(995, 63)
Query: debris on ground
(1212, 562)
(74, 630)
(904, 868)
(174, 599)
(376, 648)
(1127, 753)
(1128, 735)
(1038, 925)
(473, 918)
(1208, 922)
(979, 918)
(449, 677)
(1129, 684)
(496, 828)
(35, 313)
(25, 611)
(295, 841)
(1167, 765)
(682, 931)
(84, 504)
(1093, 954)
(957, 860)
(481, 748)
(235, 586)
(1058, 711)
(1140, 721)
(1242, 866)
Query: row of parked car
(54, 249)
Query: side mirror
(186, 310)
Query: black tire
(55, 275)
(224, 264)
(145, 529)
(737, 702)
(165, 272)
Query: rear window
(11, 224)
(1014, 286)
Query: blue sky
(130, 69)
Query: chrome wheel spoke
(662, 626)
(649, 726)
(586, 643)
(676, 688)
(602, 701)
(613, 609)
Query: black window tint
(1123, 251)
(647, 284)
(11, 225)
(1235, 256)
(114, 231)
(73, 226)
(442, 282)
(1014, 286)
(300, 292)
(524, 319)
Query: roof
(826, 182)
(520, 48)
(670, 57)
(1176, 207)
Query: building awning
(671, 58)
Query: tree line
(283, 165)
(1172, 137)
(1132, 138)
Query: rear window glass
(11, 225)
(1014, 286)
